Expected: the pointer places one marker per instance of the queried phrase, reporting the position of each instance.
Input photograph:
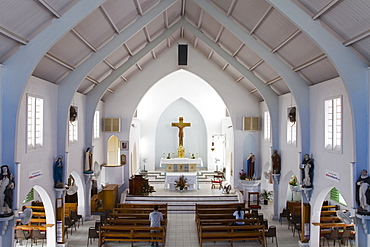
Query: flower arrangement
(181, 183)
(293, 181)
(242, 175)
(146, 188)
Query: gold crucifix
(181, 125)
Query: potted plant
(266, 196)
(146, 189)
(181, 183)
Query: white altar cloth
(181, 161)
(191, 177)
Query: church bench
(161, 206)
(329, 213)
(133, 215)
(131, 234)
(331, 207)
(225, 222)
(133, 222)
(220, 210)
(329, 219)
(137, 210)
(214, 206)
(221, 216)
(35, 208)
(232, 233)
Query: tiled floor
(181, 229)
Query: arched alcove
(113, 151)
(195, 137)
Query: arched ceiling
(347, 20)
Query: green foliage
(29, 196)
(266, 195)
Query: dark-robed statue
(307, 167)
(363, 192)
(58, 173)
(6, 194)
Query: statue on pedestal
(276, 163)
(250, 164)
(307, 171)
(6, 191)
(88, 161)
(363, 192)
(58, 173)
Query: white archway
(80, 194)
(50, 215)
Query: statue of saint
(88, 161)
(250, 164)
(307, 172)
(6, 190)
(58, 173)
(363, 192)
(276, 163)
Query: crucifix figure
(181, 125)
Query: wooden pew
(232, 233)
(329, 213)
(329, 219)
(35, 208)
(331, 207)
(131, 234)
(161, 206)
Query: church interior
(109, 107)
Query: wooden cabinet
(136, 183)
(105, 199)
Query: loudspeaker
(182, 54)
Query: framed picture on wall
(124, 145)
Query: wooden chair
(344, 238)
(92, 234)
(36, 235)
(21, 235)
(254, 206)
(284, 214)
(217, 180)
(75, 218)
(271, 233)
(333, 235)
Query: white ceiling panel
(363, 47)
(229, 41)
(275, 29)
(192, 12)
(121, 12)
(265, 72)
(61, 6)
(147, 5)
(223, 5)
(280, 87)
(95, 29)
(136, 42)
(173, 13)
(313, 5)
(320, 71)
(7, 45)
(348, 18)
(249, 13)
(210, 26)
(100, 72)
(156, 27)
(49, 70)
(247, 57)
(299, 50)
(70, 49)
(119, 56)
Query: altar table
(191, 177)
(181, 164)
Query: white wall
(40, 159)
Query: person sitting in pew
(155, 218)
(239, 215)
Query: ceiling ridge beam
(13, 36)
(324, 9)
(357, 38)
(50, 9)
(261, 20)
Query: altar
(191, 180)
(181, 164)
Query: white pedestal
(250, 186)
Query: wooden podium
(136, 183)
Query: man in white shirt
(155, 218)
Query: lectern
(136, 183)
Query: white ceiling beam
(200, 20)
(237, 50)
(261, 20)
(13, 36)
(324, 9)
(138, 7)
(210, 54)
(219, 34)
(83, 40)
(256, 65)
(128, 49)
(239, 79)
(225, 66)
(357, 38)
(109, 64)
(183, 5)
(165, 17)
(231, 8)
(59, 61)
(287, 40)
(147, 35)
(310, 62)
(196, 42)
(139, 67)
(51, 9)
(110, 20)
(154, 56)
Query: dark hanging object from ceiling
(72, 113)
(292, 115)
